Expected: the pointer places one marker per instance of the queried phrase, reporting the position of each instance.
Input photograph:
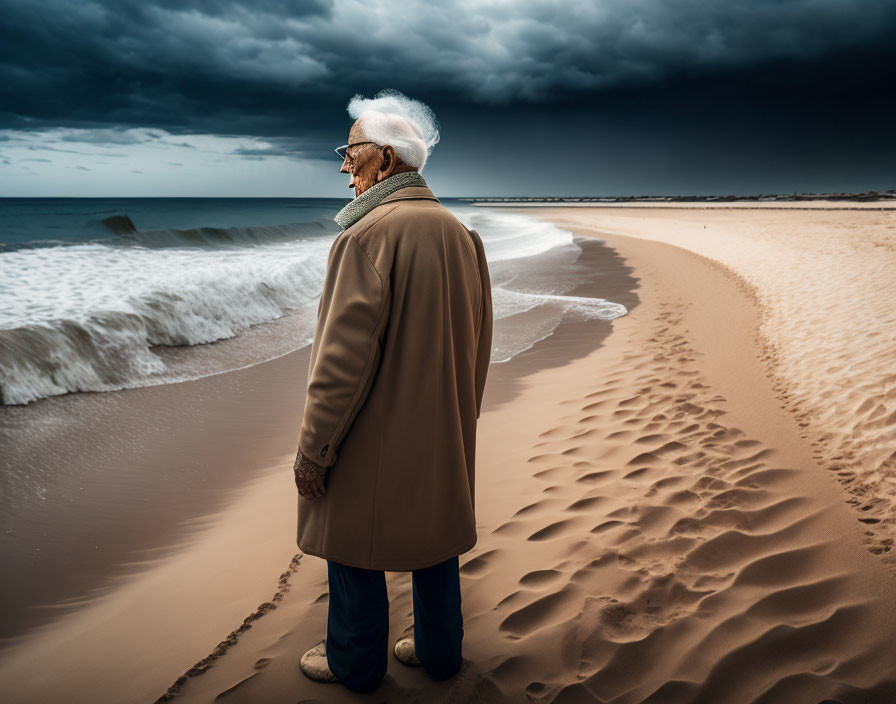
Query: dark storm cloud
(276, 146)
(279, 68)
(111, 136)
(576, 97)
(48, 148)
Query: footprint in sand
(658, 520)
(547, 457)
(554, 490)
(538, 614)
(631, 401)
(509, 599)
(593, 477)
(738, 498)
(667, 482)
(535, 687)
(540, 578)
(511, 527)
(585, 504)
(479, 564)
(620, 435)
(652, 438)
(763, 477)
(683, 498)
(644, 458)
(532, 508)
(606, 525)
(554, 530)
(550, 473)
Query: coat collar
(380, 193)
(409, 193)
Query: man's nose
(344, 169)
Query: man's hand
(309, 477)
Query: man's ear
(390, 160)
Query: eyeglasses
(342, 151)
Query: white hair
(393, 118)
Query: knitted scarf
(369, 199)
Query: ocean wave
(206, 237)
(103, 314)
(100, 309)
(230, 236)
(509, 341)
(511, 236)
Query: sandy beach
(691, 503)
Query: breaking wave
(104, 313)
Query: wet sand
(96, 485)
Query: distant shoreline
(752, 200)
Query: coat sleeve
(346, 349)
(484, 344)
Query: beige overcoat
(398, 367)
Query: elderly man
(385, 469)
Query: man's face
(362, 162)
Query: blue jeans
(358, 623)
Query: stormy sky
(607, 97)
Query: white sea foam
(531, 273)
(84, 317)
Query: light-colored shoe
(405, 651)
(314, 664)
